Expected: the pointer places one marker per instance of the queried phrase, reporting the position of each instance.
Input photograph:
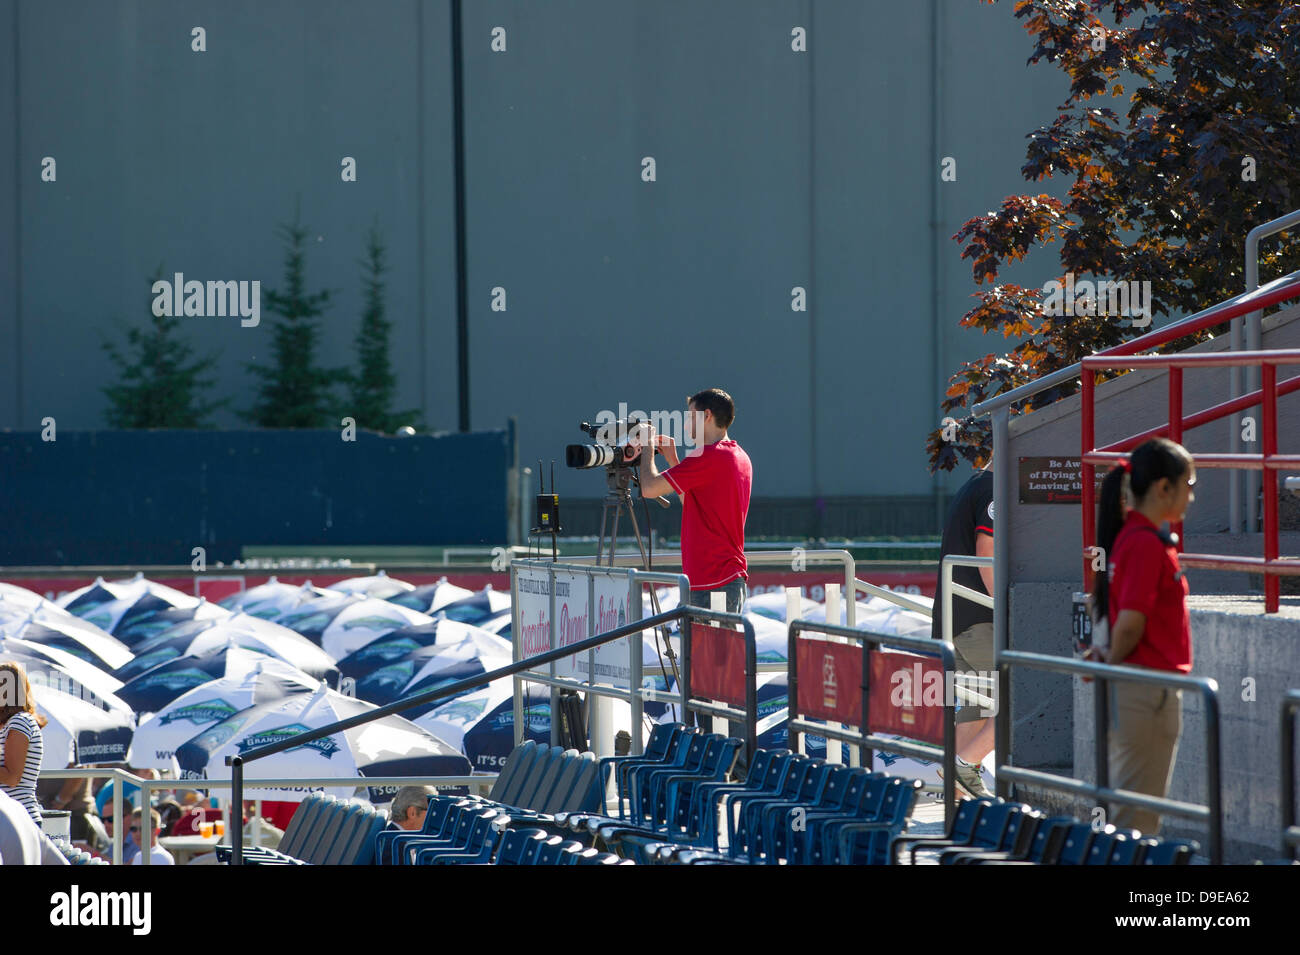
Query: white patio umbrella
(430, 598)
(241, 629)
(50, 666)
(158, 736)
(438, 664)
(380, 585)
(273, 598)
(347, 622)
(105, 603)
(80, 732)
(52, 626)
(389, 746)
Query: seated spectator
(130, 848)
(157, 854)
(170, 811)
(410, 806)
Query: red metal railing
(1269, 460)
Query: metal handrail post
(635, 658)
(1252, 326)
(1290, 832)
(1001, 589)
(119, 824)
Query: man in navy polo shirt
(713, 480)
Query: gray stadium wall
(775, 169)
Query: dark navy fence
(151, 497)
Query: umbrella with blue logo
(51, 626)
(252, 633)
(431, 598)
(341, 623)
(106, 604)
(78, 731)
(380, 585)
(143, 623)
(482, 722)
(158, 736)
(393, 646)
(50, 666)
(433, 666)
(482, 605)
(388, 746)
(273, 599)
(151, 691)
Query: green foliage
(1160, 191)
(159, 385)
(295, 393)
(372, 387)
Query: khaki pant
(1146, 722)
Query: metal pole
(1268, 433)
(1214, 798)
(1287, 763)
(635, 659)
(119, 824)
(237, 797)
(1001, 577)
(1176, 428)
(751, 696)
(1101, 736)
(458, 173)
(146, 821)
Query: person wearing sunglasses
(157, 854)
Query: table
(185, 848)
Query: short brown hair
(717, 401)
(24, 703)
(155, 817)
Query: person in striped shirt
(21, 742)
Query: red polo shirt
(1145, 576)
(714, 483)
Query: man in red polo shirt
(714, 481)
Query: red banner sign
(718, 664)
(907, 696)
(830, 681)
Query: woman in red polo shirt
(1145, 594)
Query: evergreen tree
(294, 393)
(159, 385)
(372, 387)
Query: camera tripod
(618, 497)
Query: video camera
(613, 450)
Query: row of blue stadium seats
(790, 808)
(470, 832)
(536, 782)
(997, 832)
(324, 831)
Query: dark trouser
(736, 592)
